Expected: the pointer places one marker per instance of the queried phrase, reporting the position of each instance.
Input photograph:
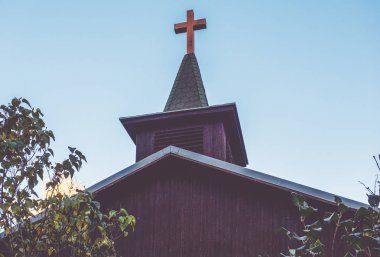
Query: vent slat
(198, 135)
(180, 130)
(187, 138)
(181, 138)
(179, 145)
(178, 133)
(199, 142)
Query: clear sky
(305, 76)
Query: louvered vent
(186, 138)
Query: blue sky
(304, 74)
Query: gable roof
(222, 166)
(188, 90)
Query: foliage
(356, 232)
(310, 244)
(68, 186)
(373, 197)
(71, 226)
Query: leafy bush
(64, 225)
(358, 231)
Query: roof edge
(225, 167)
(133, 124)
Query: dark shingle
(188, 90)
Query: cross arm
(199, 24)
(180, 27)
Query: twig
(337, 225)
(369, 190)
(376, 181)
(374, 157)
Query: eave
(226, 167)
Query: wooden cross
(189, 26)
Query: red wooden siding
(185, 209)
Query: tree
(358, 231)
(65, 225)
(68, 186)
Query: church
(189, 189)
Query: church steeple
(188, 90)
(188, 121)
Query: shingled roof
(188, 90)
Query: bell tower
(188, 121)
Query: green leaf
(51, 151)
(97, 204)
(112, 213)
(330, 217)
(51, 251)
(297, 199)
(299, 238)
(26, 102)
(123, 211)
(338, 200)
(362, 212)
(15, 102)
(347, 223)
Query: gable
(185, 208)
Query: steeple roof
(188, 90)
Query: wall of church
(184, 209)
